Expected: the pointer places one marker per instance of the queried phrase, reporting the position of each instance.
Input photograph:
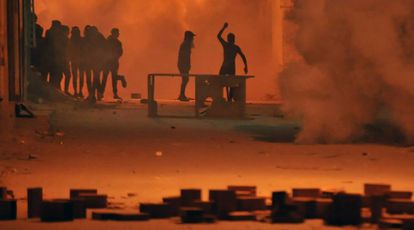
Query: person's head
(76, 31)
(115, 32)
(56, 23)
(231, 38)
(189, 36)
(87, 30)
(65, 30)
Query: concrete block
(119, 216)
(192, 215)
(57, 211)
(8, 209)
(79, 208)
(3, 193)
(242, 191)
(376, 189)
(279, 199)
(345, 210)
(189, 196)
(175, 203)
(34, 202)
(400, 206)
(224, 202)
(94, 201)
(251, 203)
(400, 195)
(206, 206)
(306, 192)
(322, 207)
(408, 225)
(390, 224)
(74, 193)
(287, 214)
(377, 205)
(307, 207)
(157, 210)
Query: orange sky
(152, 32)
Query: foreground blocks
(120, 216)
(400, 206)
(8, 209)
(306, 192)
(224, 202)
(57, 211)
(189, 196)
(242, 216)
(345, 210)
(94, 201)
(192, 215)
(34, 202)
(243, 191)
(376, 189)
(251, 203)
(75, 193)
(157, 211)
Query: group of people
(64, 55)
(230, 52)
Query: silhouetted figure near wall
(86, 62)
(75, 56)
(54, 53)
(184, 62)
(66, 61)
(39, 52)
(229, 63)
(114, 52)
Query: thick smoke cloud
(152, 31)
(357, 64)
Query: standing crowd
(63, 56)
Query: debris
(189, 196)
(158, 154)
(94, 201)
(34, 202)
(32, 157)
(157, 210)
(57, 211)
(376, 189)
(192, 215)
(345, 210)
(8, 209)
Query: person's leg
(67, 79)
(96, 82)
(82, 73)
(75, 75)
(184, 82)
(104, 81)
(89, 81)
(114, 75)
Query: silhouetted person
(229, 63)
(114, 52)
(97, 55)
(65, 61)
(75, 56)
(86, 62)
(55, 54)
(38, 51)
(184, 62)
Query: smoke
(357, 62)
(151, 32)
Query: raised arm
(246, 69)
(220, 34)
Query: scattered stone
(32, 157)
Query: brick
(306, 192)
(206, 206)
(242, 216)
(242, 191)
(400, 206)
(408, 225)
(251, 203)
(157, 210)
(79, 208)
(3, 193)
(175, 203)
(119, 216)
(94, 201)
(192, 215)
(400, 195)
(224, 202)
(188, 196)
(345, 210)
(279, 199)
(390, 224)
(34, 202)
(376, 189)
(57, 211)
(8, 209)
(74, 193)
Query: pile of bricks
(378, 205)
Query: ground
(119, 150)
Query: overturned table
(208, 86)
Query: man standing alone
(184, 62)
